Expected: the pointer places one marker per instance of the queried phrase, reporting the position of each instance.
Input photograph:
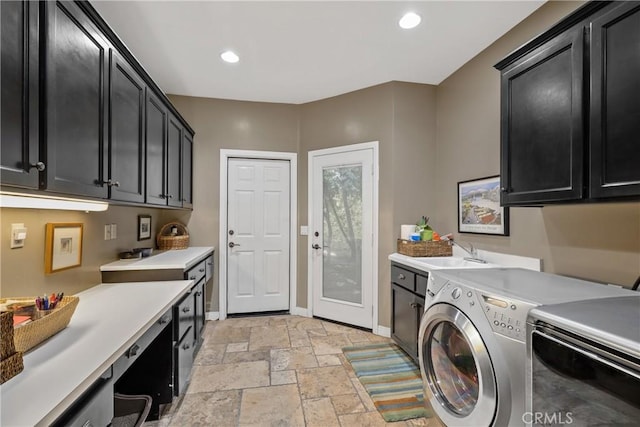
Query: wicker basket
(31, 334)
(424, 248)
(10, 367)
(7, 348)
(166, 241)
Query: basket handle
(182, 229)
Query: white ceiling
(302, 51)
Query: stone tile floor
(277, 371)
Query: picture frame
(63, 246)
(144, 227)
(479, 209)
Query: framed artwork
(479, 209)
(63, 246)
(144, 227)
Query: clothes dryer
(472, 339)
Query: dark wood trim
(574, 18)
(124, 51)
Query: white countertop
(177, 259)
(108, 319)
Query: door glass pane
(342, 233)
(453, 368)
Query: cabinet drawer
(183, 357)
(421, 284)
(197, 272)
(184, 315)
(135, 350)
(404, 278)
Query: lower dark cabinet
(407, 309)
(184, 353)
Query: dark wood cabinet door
(76, 77)
(407, 309)
(19, 109)
(174, 144)
(614, 124)
(126, 137)
(187, 170)
(542, 155)
(156, 150)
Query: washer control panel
(506, 316)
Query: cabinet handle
(163, 321)
(39, 166)
(201, 270)
(170, 196)
(192, 277)
(186, 309)
(110, 183)
(414, 305)
(162, 196)
(133, 351)
(198, 293)
(401, 276)
(186, 346)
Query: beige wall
(595, 241)
(23, 269)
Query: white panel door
(258, 224)
(342, 194)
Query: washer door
(457, 373)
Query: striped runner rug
(391, 378)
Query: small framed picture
(144, 227)
(63, 246)
(479, 209)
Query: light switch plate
(114, 231)
(107, 232)
(18, 235)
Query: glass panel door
(342, 233)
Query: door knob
(315, 246)
(232, 245)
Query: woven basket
(424, 248)
(7, 348)
(167, 242)
(31, 334)
(10, 367)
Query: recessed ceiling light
(229, 56)
(409, 20)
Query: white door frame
(293, 181)
(376, 287)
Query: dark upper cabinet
(19, 155)
(174, 171)
(156, 151)
(76, 76)
(126, 137)
(187, 170)
(80, 116)
(614, 123)
(542, 123)
(570, 110)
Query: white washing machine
(472, 339)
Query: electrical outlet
(114, 231)
(107, 232)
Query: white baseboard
(213, 315)
(299, 311)
(383, 331)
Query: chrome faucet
(473, 252)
